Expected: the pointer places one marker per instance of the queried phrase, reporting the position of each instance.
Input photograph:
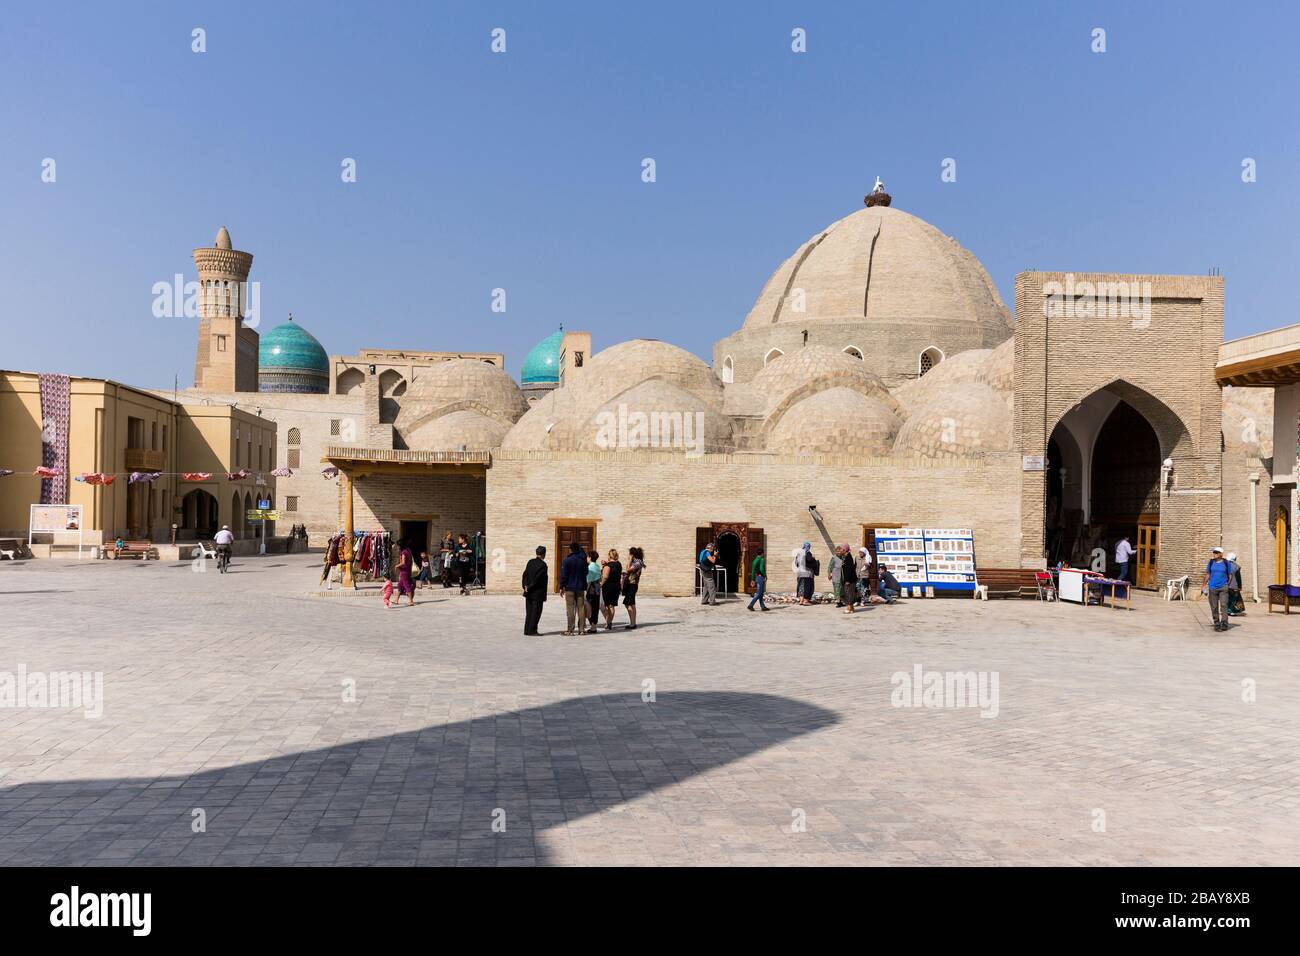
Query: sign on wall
(55, 520)
(926, 560)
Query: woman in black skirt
(611, 584)
(631, 581)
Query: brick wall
(656, 500)
(1163, 365)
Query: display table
(1099, 585)
(1070, 584)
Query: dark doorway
(729, 550)
(416, 535)
(1102, 483)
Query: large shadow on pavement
(429, 796)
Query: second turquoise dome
(290, 359)
(542, 364)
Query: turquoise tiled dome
(542, 364)
(291, 360)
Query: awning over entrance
(1269, 358)
(360, 462)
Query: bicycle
(223, 558)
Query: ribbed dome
(290, 359)
(644, 376)
(886, 266)
(471, 429)
(614, 369)
(654, 414)
(838, 421)
(798, 374)
(880, 281)
(542, 363)
(456, 385)
(966, 420)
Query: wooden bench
(143, 550)
(1008, 582)
(1283, 595)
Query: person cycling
(223, 541)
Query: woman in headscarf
(848, 578)
(803, 572)
(404, 583)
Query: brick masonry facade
(1161, 364)
(657, 499)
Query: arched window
(728, 370)
(853, 350)
(774, 354)
(295, 437)
(928, 360)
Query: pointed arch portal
(1104, 480)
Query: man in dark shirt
(573, 585)
(534, 583)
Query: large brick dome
(881, 282)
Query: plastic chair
(1046, 587)
(1177, 585)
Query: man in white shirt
(223, 540)
(1123, 554)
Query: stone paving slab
(311, 731)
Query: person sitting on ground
(889, 587)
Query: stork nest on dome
(877, 197)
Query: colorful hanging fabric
(144, 476)
(56, 406)
(95, 478)
(107, 479)
(5, 472)
(238, 475)
(283, 473)
(330, 472)
(195, 475)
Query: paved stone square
(1119, 737)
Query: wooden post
(348, 581)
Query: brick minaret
(226, 360)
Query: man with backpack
(708, 562)
(1219, 576)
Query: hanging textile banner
(282, 473)
(56, 401)
(96, 478)
(238, 475)
(195, 475)
(330, 472)
(144, 476)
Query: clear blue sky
(522, 170)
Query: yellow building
(114, 429)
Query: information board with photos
(942, 559)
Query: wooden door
(1148, 554)
(753, 540)
(1282, 541)
(585, 535)
(869, 541)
